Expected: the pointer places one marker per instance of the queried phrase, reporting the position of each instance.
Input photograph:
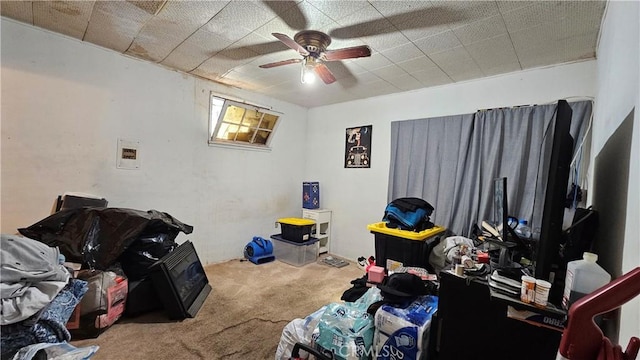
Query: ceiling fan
(312, 46)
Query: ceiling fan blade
(324, 73)
(280, 63)
(347, 53)
(290, 43)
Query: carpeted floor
(242, 318)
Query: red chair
(582, 339)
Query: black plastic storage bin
(408, 247)
(296, 229)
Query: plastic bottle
(523, 230)
(583, 277)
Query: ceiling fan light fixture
(307, 74)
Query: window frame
(215, 124)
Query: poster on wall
(358, 147)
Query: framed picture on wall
(357, 150)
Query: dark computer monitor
(500, 206)
(547, 261)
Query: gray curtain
(451, 161)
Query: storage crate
(311, 195)
(296, 229)
(295, 253)
(408, 247)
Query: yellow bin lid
(296, 221)
(381, 227)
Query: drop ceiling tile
(66, 17)
(416, 64)
(457, 63)
(175, 22)
(559, 51)
(399, 9)
(367, 78)
(353, 67)
(241, 53)
(315, 20)
(540, 36)
(339, 69)
(287, 10)
(217, 66)
(375, 88)
(405, 82)
(337, 9)
(403, 53)
(500, 69)
(385, 41)
(468, 11)
(18, 10)
(480, 30)
(389, 72)
(438, 43)
(375, 61)
(510, 5)
(196, 49)
(258, 44)
(432, 21)
(432, 77)
(238, 19)
(150, 6)
(114, 24)
(554, 12)
(495, 53)
(365, 22)
(530, 16)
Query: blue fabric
(46, 326)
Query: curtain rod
(574, 98)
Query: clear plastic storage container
(583, 277)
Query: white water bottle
(523, 230)
(583, 277)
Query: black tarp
(97, 237)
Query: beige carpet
(242, 318)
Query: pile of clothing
(38, 295)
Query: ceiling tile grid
(402, 53)
(433, 76)
(437, 43)
(495, 55)
(176, 22)
(457, 63)
(480, 30)
(115, 24)
(414, 43)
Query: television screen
(181, 282)
(547, 259)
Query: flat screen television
(181, 282)
(548, 264)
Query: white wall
(617, 81)
(358, 196)
(66, 103)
